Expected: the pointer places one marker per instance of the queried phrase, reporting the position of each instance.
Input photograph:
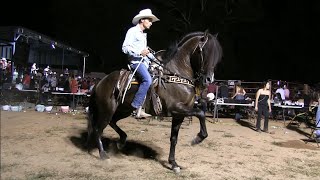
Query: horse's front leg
(203, 127)
(176, 123)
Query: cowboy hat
(146, 13)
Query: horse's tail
(92, 113)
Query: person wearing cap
(4, 63)
(34, 68)
(135, 46)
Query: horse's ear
(216, 35)
(206, 32)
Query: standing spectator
(262, 105)
(73, 84)
(4, 63)
(9, 67)
(66, 83)
(54, 81)
(66, 71)
(34, 69)
(317, 132)
(306, 96)
(26, 81)
(46, 71)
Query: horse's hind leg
(176, 123)
(102, 152)
(98, 130)
(123, 136)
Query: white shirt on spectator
(281, 91)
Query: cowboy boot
(141, 114)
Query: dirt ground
(37, 145)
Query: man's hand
(144, 52)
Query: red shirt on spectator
(26, 79)
(74, 86)
(212, 88)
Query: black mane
(173, 48)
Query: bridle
(200, 45)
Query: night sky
(261, 39)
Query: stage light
(53, 46)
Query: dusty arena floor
(38, 145)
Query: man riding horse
(135, 46)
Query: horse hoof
(120, 145)
(195, 141)
(103, 155)
(176, 170)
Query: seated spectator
(212, 88)
(239, 94)
(223, 91)
(84, 84)
(286, 92)
(280, 90)
(92, 84)
(277, 98)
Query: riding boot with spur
(141, 114)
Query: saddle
(126, 80)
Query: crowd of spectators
(45, 80)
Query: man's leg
(139, 97)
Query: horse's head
(194, 56)
(205, 56)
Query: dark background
(261, 39)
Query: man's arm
(127, 46)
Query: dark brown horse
(193, 58)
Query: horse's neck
(180, 66)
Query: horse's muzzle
(209, 78)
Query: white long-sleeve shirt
(134, 42)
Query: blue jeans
(146, 80)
